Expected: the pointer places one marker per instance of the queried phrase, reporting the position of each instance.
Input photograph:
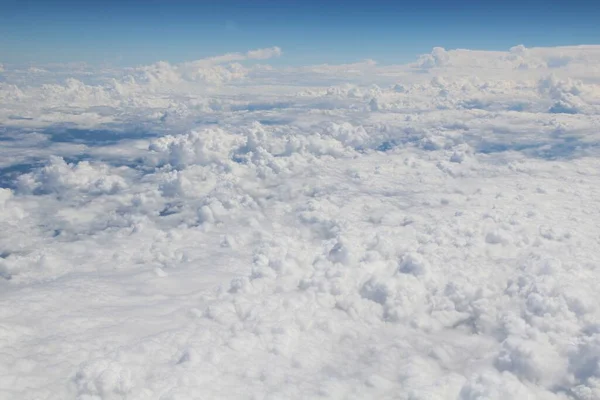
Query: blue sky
(130, 32)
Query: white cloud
(321, 230)
(60, 177)
(438, 58)
(264, 54)
(211, 70)
(258, 54)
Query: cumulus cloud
(258, 54)
(566, 94)
(439, 57)
(475, 75)
(59, 177)
(357, 228)
(558, 88)
(516, 58)
(264, 54)
(211, 70)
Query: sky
(203, 230)
(133, 32)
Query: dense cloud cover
(227, 229)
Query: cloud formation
(219, 229)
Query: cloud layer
(216, 229)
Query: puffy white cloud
(438, 58)
(10, 93)
(60, 177)
(159, 73)
(264, 54)
(258, 54)
(321, 230)
(557, 88)
(518, 57)
(208, 148)
(211, 70)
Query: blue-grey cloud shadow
(100, 137)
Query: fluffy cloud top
(258, 54)
(218, 229)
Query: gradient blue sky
(130, 32)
